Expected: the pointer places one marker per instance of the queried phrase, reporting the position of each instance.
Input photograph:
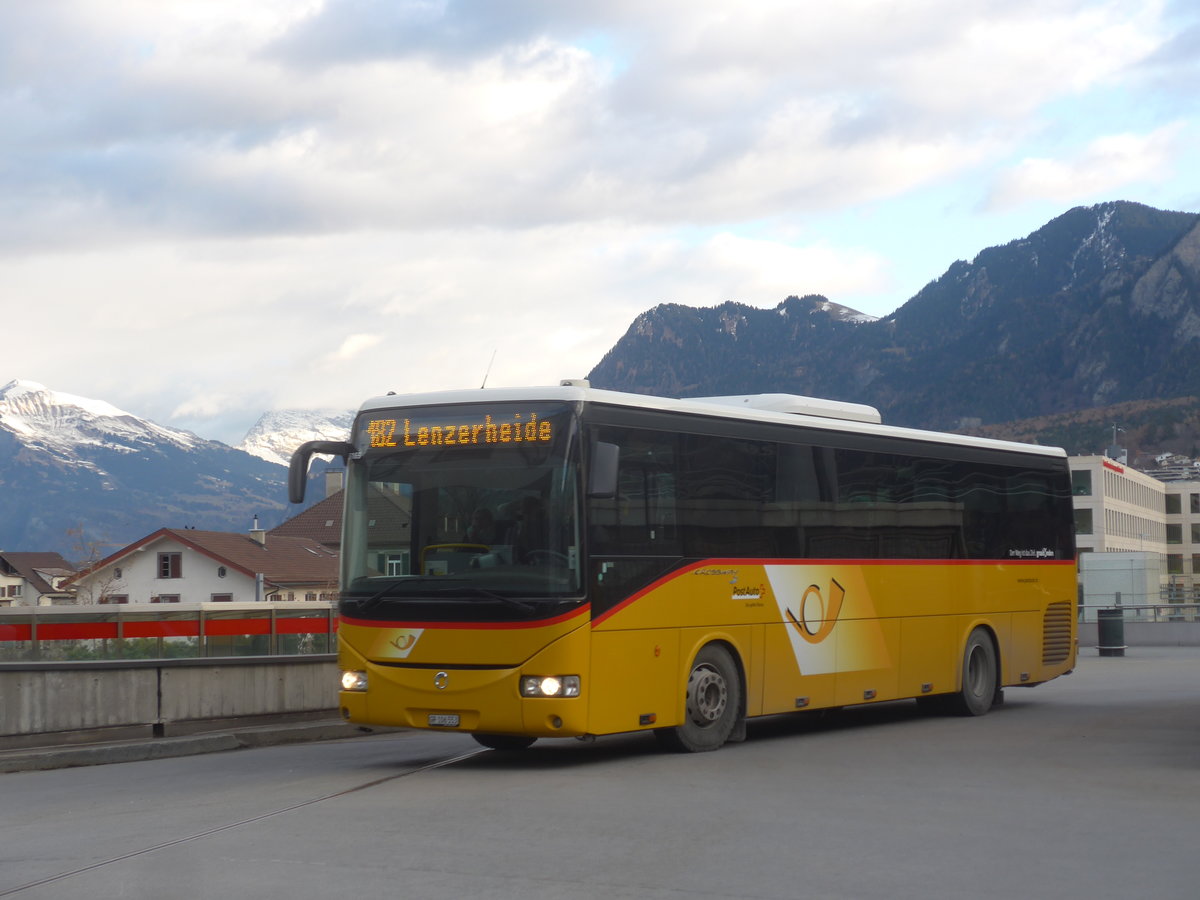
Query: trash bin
(1110, 630)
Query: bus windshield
(452, 511)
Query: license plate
(444, 720)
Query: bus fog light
(354, 681)
(550, 686)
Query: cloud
(458, 114)
(220, 207)
(1104, 168)
(350, 349)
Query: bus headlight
(549, 685)
(354, 681)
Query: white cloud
(1104, 168)
(211, 208)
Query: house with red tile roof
(184, 565)
(388, 513)
(34, 579)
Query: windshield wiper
(510, 601)
(374, 599)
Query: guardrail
(153, 631)
(1143, 612)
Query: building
(34, 579)
(187, 566)
(1119, 510)
(1183, 541)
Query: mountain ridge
(81, 477)
(1101, 305)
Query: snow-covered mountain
(83, 478)
(281, 431)
(59, 423)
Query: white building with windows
(175, 565)
(34, 579)
(1154, 526)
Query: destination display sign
(426, 430)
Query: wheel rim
(708, 695)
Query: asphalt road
(1088, 787)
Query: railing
(151, 631)
(1142, 612)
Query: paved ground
(1088, 787)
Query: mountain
(82, 478)
(1099, 306)
(278, 433)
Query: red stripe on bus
(16, 633)
(709, 563)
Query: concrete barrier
(105, 697)
(1147, 634)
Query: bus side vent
(1056, 633)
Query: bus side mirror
(298, 467)
(602, 478)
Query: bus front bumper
(467, 700)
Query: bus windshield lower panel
(464, 514)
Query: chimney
(257, 534)
(335, 480)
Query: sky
(210, 209)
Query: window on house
(1083, 521)
(170, 565)
(222, 598)
(115, 598)
(1195, 504)
(165, 598)
(1173, 505)
(1174, 563)
(1174, 534)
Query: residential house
(389, 513)
(184, 565)
(34, 579)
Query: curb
(45, 758)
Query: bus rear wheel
(979, 676)
(504, 741)
(713, 703)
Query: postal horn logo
(816, 616)
(402, 642)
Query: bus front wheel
(979, 676)
(713, 703)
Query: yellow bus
(570, 562)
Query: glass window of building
(1173, 505)
(1081, 484)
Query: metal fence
(1139, 612)
(152, 631)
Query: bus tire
(504, 741)
(713, 703)
(980, 675)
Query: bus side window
(641, 519)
